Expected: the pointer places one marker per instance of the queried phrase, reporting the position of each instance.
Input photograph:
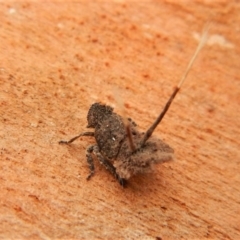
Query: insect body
(120, 146)
(113, 148)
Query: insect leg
(90, 161)
(108, 165)
(91, 134)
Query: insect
(120, 146)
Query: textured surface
(57, 59)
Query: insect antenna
(149, 132)
(126, 122)
(129, 134)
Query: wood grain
(59, 58)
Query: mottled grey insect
(120, 146)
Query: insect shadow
(120, 146)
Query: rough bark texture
(59, 58)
